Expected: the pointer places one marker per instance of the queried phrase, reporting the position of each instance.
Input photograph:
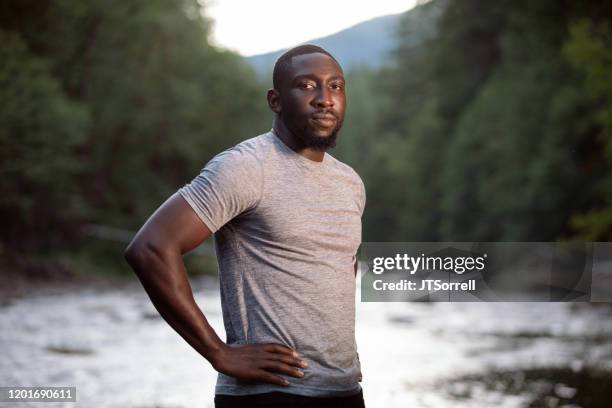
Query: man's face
(313, 101)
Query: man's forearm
(164, 278)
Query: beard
(322, 143)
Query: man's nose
(324, 98)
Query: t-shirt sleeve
(362, 196)
(227, 186)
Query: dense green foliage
(40, 129)
(496, 127)
(590, 52)
(492, 121)
(107, 108)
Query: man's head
(309, 96)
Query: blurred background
(468, 120)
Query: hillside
(367, 43)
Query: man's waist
(312, 384)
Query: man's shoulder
(255, 143)
(342, 167)
(248, 152)
(352, 179)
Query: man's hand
(258, 362)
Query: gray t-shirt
(287, 230)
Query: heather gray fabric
(287, 230)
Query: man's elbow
(133, 252)
(138, 252)
(139, 257)
(141, 252)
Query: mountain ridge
(367, 43)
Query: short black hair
(283, 63)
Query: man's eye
(307, 85)
(337, 86)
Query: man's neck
(294, 143)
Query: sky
(252, 27)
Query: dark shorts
(284, 400)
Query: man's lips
(324, 119)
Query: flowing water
(112, 345)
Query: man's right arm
(156, 255)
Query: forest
(496, 125)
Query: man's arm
(156, 255)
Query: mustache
(325, 113)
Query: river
(112, 345)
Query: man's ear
(274, 100)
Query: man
(287, 223)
